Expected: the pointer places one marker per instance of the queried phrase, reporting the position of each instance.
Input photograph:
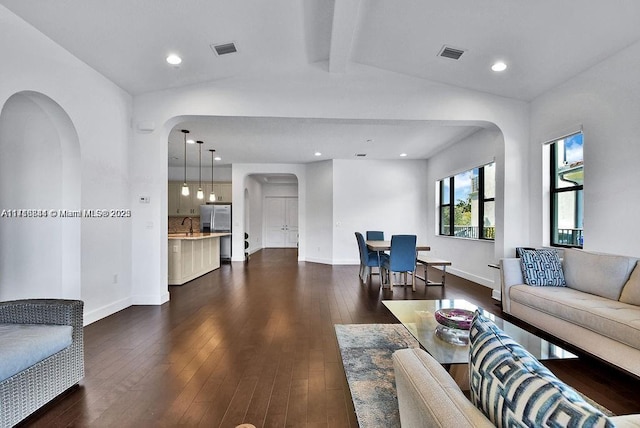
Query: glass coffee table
(418, 317)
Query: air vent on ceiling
(361, 155)
(451, 53)
(224, 49)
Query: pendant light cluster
(200, 194)
(212, 195)
(185, 188)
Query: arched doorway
(40, 178)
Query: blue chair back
(375, 235)
(403, 253)
(362, 246)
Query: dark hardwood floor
(255, 343)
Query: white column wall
(320, 212)
(605, 101)
(255, 223)
(100, 113)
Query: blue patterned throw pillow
(514, 390)
(541, 268)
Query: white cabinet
(181, 206)
(173, 195)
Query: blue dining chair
(375, 235)
(368, 259)
(402, 259)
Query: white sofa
(507, 387)
(597, 311)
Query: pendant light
(185, 188)
(200, 193)
(212, 195)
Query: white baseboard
(473, 278)
(496, 295)
(103, 312)
(318, 260)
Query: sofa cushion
(631, 290)
(514, 390)
(541, 267)
(600, 274)
(23, 345)
(616, 320)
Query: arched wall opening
(504, 154)
(39, 172)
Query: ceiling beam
(345, 18)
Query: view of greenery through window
(468, 211)
(567, 188)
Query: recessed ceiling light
(218, 158)
(191, 141)
(317, 154)
(403, 155)
(174, 59)
(499, 66)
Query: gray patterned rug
(366, 355)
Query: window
(567, 188)
(467, 204)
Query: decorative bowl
(454, 318)
(454, 336)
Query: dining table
(386, 246)
(381, 246)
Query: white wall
(320, 212)
(376, 195)
(469, 257)
(605, 100)
(284, 190)
(100, 113)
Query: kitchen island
(192, 255)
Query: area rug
(366, 355)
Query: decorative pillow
(514, 390)
(541, 267)
(631, 290)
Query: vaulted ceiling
(543, 43)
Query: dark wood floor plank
(256, 343)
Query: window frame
(554, 191)
(450, 204)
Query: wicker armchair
(27, 391)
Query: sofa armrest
(429, 397)
(510, 274)
(42, 311)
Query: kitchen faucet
(190, 224)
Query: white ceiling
(544, 43)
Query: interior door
(291, 222)
(281, 222)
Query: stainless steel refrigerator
(217, 218)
